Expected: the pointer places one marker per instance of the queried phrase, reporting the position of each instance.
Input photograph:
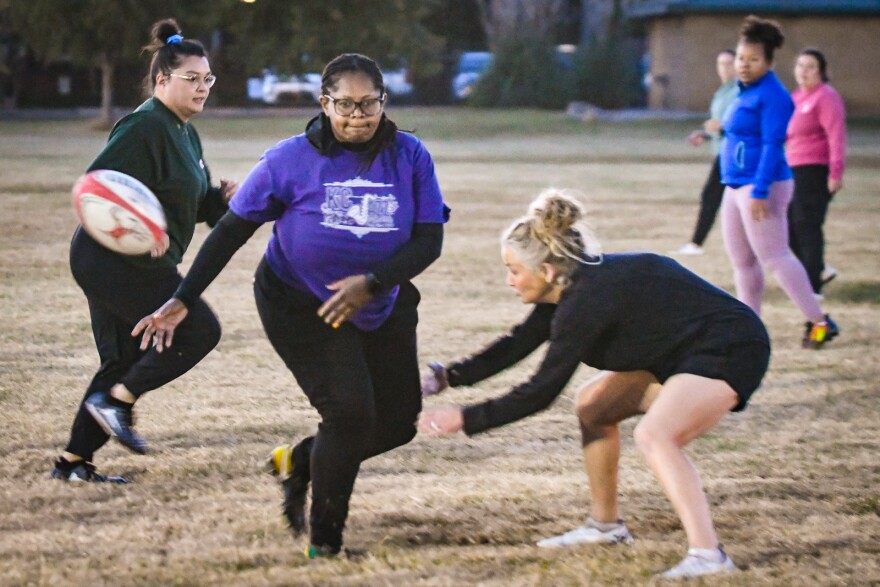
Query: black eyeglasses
(195, 80)
(347, 106)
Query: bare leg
(687, 407)
(602, 402)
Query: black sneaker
(293, 471)
(81, 471)
(817, 334)
(116, 421)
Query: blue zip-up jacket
(754, 135)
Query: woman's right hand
(159, 249)
(697, 138)
(435, 379)
(760, 209)
(159, 326)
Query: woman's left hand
(760, 209)
(834, 185)
(441, 421)
(228, 187)
(352, 294)
(713, 125)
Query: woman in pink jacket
(815, 148)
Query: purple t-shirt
(334, 217)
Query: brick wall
(683, 50)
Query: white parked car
(291, 88)
(274, 89)
(397, 83)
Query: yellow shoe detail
(280, 461)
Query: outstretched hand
(441, 421)
(158, 327)
(352, 294)
(435, 379)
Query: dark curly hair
(820, 59)
(166, 56)
(756, 30)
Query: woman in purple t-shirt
(357, 214)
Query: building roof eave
(647, 9)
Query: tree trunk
(596, 17)
(107, 69)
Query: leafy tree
(607, 68)
(13, 55)
(526, 70)
(92, 33)
(301, 36)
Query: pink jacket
(817, 130)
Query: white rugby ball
(119, 211)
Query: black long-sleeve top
(232, 232)
(631, 312)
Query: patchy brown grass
(793, 480)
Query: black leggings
(365, 386)
(710, 201)
(119, 295)
(806, 217)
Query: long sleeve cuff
(476, 419)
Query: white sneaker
(694, 565)
(688, 249)
(828, 274)
(589, 534)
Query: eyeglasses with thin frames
(195, 80)
(347, 106)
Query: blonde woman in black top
(672, 347)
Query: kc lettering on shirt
(337, 215)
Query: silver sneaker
(694, 565)
(688, 249)
(589, 534)
(828, 274)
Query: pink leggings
(753, 246)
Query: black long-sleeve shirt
(631, 312)
(232, 232)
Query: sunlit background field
(794, 481)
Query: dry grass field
(794, 480)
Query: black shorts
(741, 365)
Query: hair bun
(555, 213)
(761, 30)
(164, 29)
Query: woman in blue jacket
(759, 182)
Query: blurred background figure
(759, 185)
(713, 189)
(816, 149)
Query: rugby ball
(119, 212)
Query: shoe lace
(92, 474)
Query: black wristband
(373, 284)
